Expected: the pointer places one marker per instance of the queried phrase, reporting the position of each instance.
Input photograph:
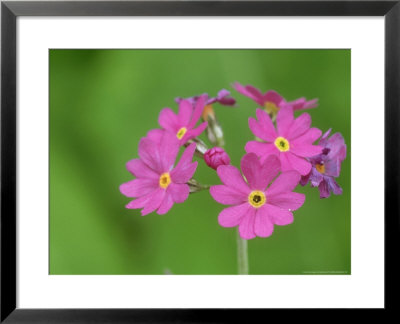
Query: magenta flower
(183, 124)
(272, 101)
(158, 185)
(256, 208)
(326, 166)
(291, 141)
(223, 97)
(215, 157)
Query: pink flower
(291, 141)
(158, 185)
(256, 208)
(272, 101)
(326, 166)
(183, 124)
(215, 157)
(223, 97)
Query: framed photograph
(194, 161)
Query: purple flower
(326, 166)
(158, 184)
(223, 98)
(257, 207)
(215, 157)
(272, 101)
(183, 124)
(292, 141)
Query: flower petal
(138, 187)
(184, 173)
(185, 168)
(179, 192)
(261, 149)
(187, 155)
(250, 92)
(246, 226)
(166, 204)
(251, 167)
(333, 186)
(227, 195)
(150, 201)
(150, 155)
(155, 135)
(263, 226)
(332, 168)
(154, 202)
(285, 164)
(301, 103)
(198, 110)
(284, 120)
(288, 200)
(274, 97)
(323, 190)
(315, 178)
(323, 140)
(298, 163)
(310, 104)
(259, 175)
(168, 120)
(308, 137)
(139, 202)
(185, 112)
(337, 147)
(304, 179)
(258, 130)
(266, 122)
(305, 150)
(224, 99)
(286, 181)
(232, 216)
(271, 166)
(169, 148)
(256, 93)
(299, 126)
(279, 216)
(140, 170)
(194, 132)
(231, 177)
(263, 128)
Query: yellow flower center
(208, 111)
(320, 168)
(282, 144)
(181, 132)
(257, 198)
(271, 108)
(165, 180)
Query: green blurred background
(103, 101)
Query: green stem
(243, 261)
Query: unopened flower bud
(215, 157)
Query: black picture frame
(11, 10)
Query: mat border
(9, 13)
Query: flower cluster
(158, 184)
(283, 154)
